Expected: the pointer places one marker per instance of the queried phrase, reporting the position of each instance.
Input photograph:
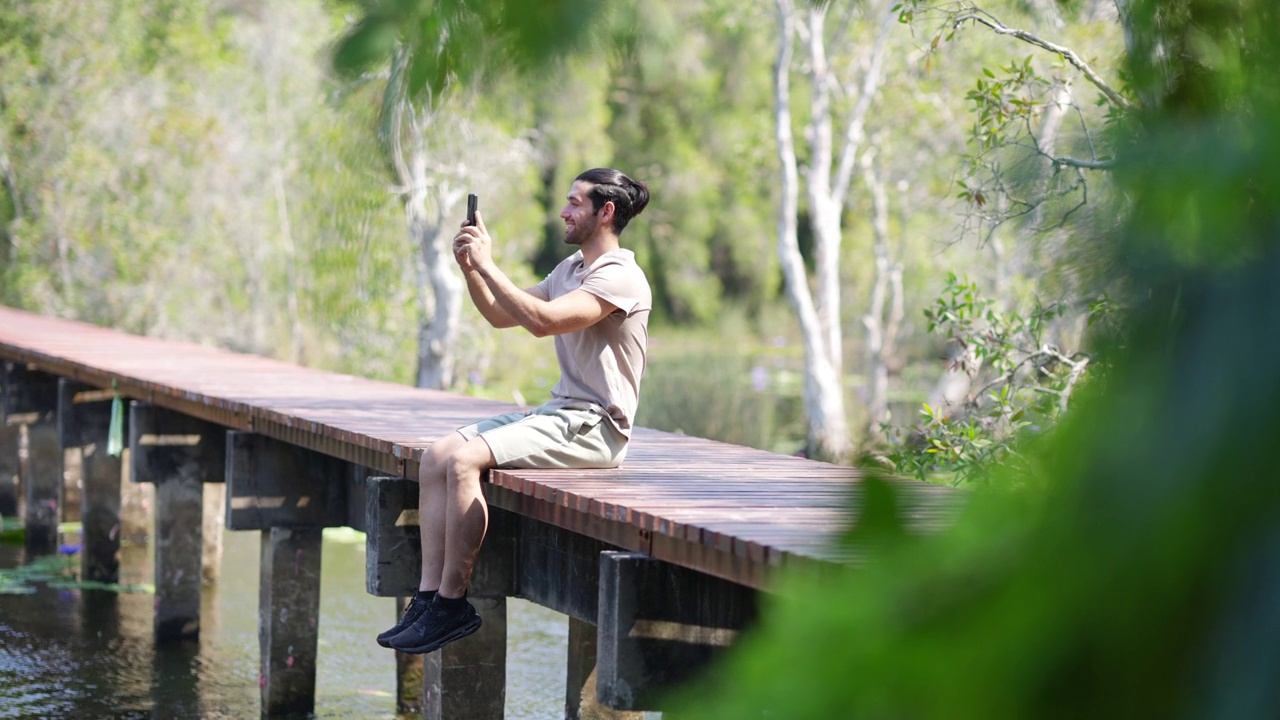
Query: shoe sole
(461, 632)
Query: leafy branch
(1029, 383)
(972, 13)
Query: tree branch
(854, 130)
(1102, 164)
(985, 18)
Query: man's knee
(472, 457)
(437, 458)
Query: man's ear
(606, 212)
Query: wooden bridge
(657, 564)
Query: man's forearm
(484, 300)
(516, 304)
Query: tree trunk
(440, 285)
(879, 328)
(823, 394)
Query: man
(596, 303)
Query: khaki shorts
(551, 437)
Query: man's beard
(580, 232)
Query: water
(75, 653)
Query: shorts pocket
(580, 422)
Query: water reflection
(91, 654)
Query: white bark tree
(827, 180)
(884, 317)
(437, 156)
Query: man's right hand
(460, 251)
(472, 246)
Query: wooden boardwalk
(719, 510)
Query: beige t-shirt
(602, 364)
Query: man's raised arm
(501, 301)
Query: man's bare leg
(432, 507)
(467, 515)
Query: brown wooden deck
(724, 510)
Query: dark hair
(629, 197)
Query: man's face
(580, 218)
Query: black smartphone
(472, 203)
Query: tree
(437, 54)
(436, 154)
(827, 180)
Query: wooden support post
(215, 520)
(291, 494)
(410, 682)
(43, 487)
(178, 544)
(289, 619)
(10, 440)
(580, 701)
(582, 662)
(84, 420)
(659, 625)
(468, 678)
(30, 397)
(393, 541)
(137, 500)
(179, 455)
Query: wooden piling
(215, 513)
(43, 488)
(582, 662)
(136, 502)
(30, 397)
(100, 515)
(10, 441)
(468, 678)
(289, 619)
(84, 422)
(410, 683)
(178, 455)
(178, 543)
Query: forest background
(209, 178)
(197, 170)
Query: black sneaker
(436, 628)
(412, 611)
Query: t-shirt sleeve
(623, 285)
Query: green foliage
(1139, 584)
(455, 41)
(1024, 382)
